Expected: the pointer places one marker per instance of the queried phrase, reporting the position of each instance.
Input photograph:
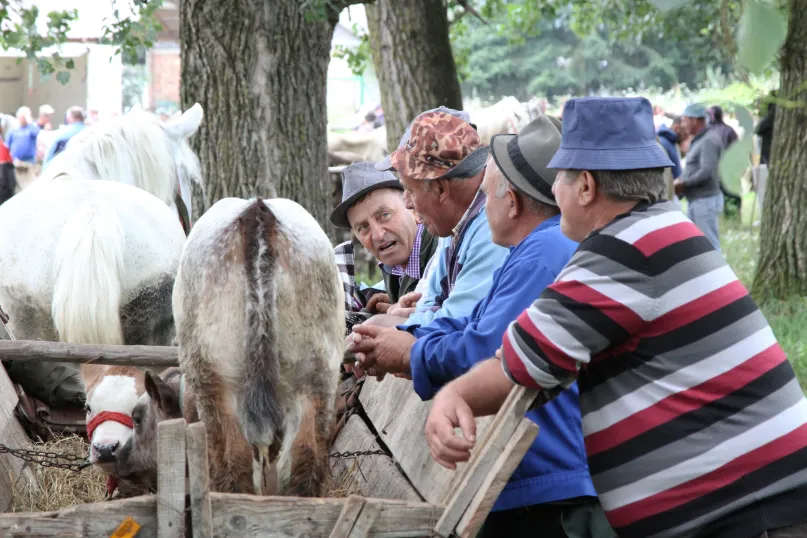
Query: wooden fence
(406, 495)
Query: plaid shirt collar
(413, 265)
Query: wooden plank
(116, 355)
(238, 515)
(366, 520)
(96, 520)
(399, 416)
(14, 472)
(199, 481)
(171, 478)
(369, 476)
(484, 456)
(347, 518)
(494, 483)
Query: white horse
(136, 149)
(88, 261)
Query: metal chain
(357, 454)
(46, 459)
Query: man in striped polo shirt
(693, 419)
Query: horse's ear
(185, 125)
(136, 108)
(162, 394)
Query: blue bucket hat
(608, 133)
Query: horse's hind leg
(230, 455)
(310, 475)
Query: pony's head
(139, 149)
(112, 393)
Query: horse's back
(33, 222)
(212, 280)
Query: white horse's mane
(136, 149)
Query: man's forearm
(485, 387)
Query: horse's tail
(88, 265)
(261, 416)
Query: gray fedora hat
(523, 158)
(357, 180)
(386, 164)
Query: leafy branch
(129, 34)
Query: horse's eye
(136, 420)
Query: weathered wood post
(501, 449)
(171, 478)
(199, 481)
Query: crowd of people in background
(27, 146)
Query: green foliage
(358, 58)
(130, 34)
(18, 30)
(762, 31)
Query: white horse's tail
(88, 265)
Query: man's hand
(678, 184)
(448, 412)
(385, 349)
(379, 303)
(405, 306)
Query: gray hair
(640, 185)
(536, 207)
(24, 113)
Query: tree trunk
(259, 70)
(413, 61)
(782, 268)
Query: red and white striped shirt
(693, 419)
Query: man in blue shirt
(22, 140)
(75, 123)
(550, 494)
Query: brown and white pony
(257, 303)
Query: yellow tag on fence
(127, 529)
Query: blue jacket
(479, 257)
(71, 130)
(555, 468)
(668, 140)
(22, 142)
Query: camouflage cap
(440, 145)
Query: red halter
(104, 416)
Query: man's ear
(441, 185)
(515, 206)
(586, 188)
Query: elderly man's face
(384, 226)
(423, 197)
(499, 210)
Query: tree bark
(782, 268)
(413, 61)
(259, 69)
